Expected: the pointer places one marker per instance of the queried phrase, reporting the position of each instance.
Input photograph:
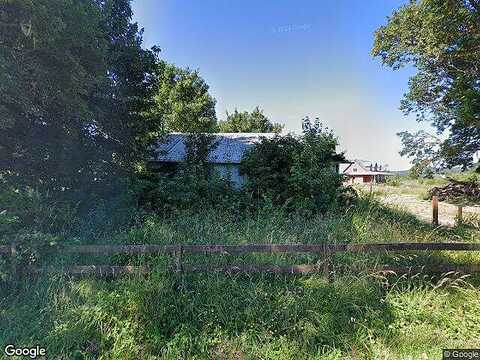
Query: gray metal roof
(229, 147)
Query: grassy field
(416, 187)
(420, 187)
(218, 316)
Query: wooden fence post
(13, 264)
(179, 268)
(178, 259)
(435, 210)
(326, 264)
(459, 214)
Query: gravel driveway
(422, 209)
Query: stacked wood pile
(456, 189)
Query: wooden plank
(178, 261)
(122, 270)
(293, 269)
(435, 268)
(255, 248)
(459, 217)
(172, 249)
(199, 249)
(266, 248)
(104, 270)
(100, 270)
(406, 247)
(119, 249)
(13, 264)
(327, 271)
(435, 210)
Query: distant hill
(455, 170)
(400, 172)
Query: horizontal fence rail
(258, 248)
(107, 270)
(177, 251)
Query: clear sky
(292, 58)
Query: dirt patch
(422, 209)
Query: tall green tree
(248, 122)
(441, 39)
(75, 86)
(182, 100)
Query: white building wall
(231, 172)
(358, 180)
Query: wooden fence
(178, 251)
(435, 221)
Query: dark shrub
(186, 189)
(192, 184)
(295, 171)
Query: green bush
(23, 209)
(186, 189)
(468, 176)
(421, 171)
(191, 185)
(394, 180)
(295, 171)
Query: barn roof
(229, 147)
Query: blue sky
(292, 58)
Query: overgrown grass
(264, 316)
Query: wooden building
(227, 151)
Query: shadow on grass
(393, 225)
(135, 318)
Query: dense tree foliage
(298, 171)
(182, 100)
(81, 103)
(248, 122)
(75, 88)
(442, 40)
